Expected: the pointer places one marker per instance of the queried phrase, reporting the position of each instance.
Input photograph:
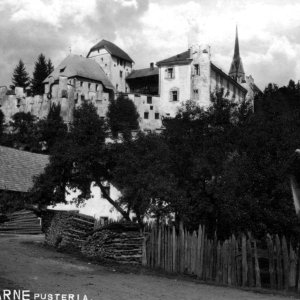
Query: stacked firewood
(69, 229)
(22, 222)
(116, 242)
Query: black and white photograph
(149, 149)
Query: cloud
(151, 30)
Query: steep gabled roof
(181, 58)
(19, 167)
(112, 49)
(143, 73)
(236, 68)
(234, 82)
(78, 66)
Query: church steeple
(236, 69)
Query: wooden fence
(235, 261)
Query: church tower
(236, 69)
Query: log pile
(21, 222)
(121, 243)
(69, 230)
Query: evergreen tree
(20, 76)
(41, 71)
(1, 125)
(50, 67)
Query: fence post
(271, 261)
(198, 254)
(279, 263)
(174, 244)
(181, 230)
(292, 275)
(194, 253)
(203, 245)
(286, 263)
(250, 261)
(233, 260)
(257, 270)
(144, 253)
(159, 247)
(244, 261)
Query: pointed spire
(236, 45)
(236, 69)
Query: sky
(152, 30)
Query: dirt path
(45, 271)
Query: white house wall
(96, 206)
(181, 81)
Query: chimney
(151, 66)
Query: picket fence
(237, 261)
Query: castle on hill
(156, 91)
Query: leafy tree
(52, 129)
(122, 116)
(20, 76)
(41, 71)
(253, 190)
(142, 173)
(78, 161)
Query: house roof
(19, 167)
(218, 70)
(184, 58)
(181, 58)
(112, 49)
(143, 73)
(78, 66)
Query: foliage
(77, 162)
(52, 129)
(20, 76)
(42, 69)
(12, 201)
(142, 173)
(254, 189)
(122, 116)
(50, 67)
(2, 125)
(23, 134)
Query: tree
(142, 173)
(254, 189)
(50, 67)
(199, 141)
(2, 119)
(78, 161)
(24, 133)
(41, 71)
(122, 116)
(51, 129)
(20, 76)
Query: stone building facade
(156, 91)
(116, 63)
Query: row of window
(146, 115)
(170, 72)
(89, 85)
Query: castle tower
(236, 69)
